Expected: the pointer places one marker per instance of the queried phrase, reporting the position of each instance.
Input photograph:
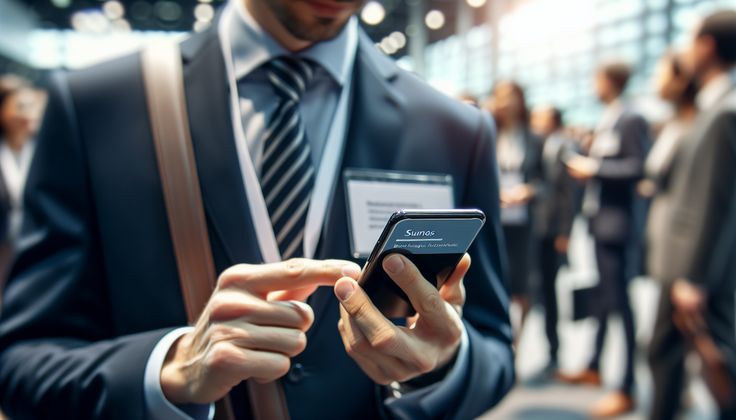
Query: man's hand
(646, 188)
(253, 323)
(517, 196)
(689, 302)
(582, 167)
(389, 353)
(562, 244)
(687, 297)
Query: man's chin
(324, 29)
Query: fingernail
(304, 307)
(344, 290)
(393, 264)
(351, 270)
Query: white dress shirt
(714, 90)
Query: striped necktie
(286, 168)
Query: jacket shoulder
(419, 98)
(106, 77)
(437, 106)
(439, 113)
(632, 117)
(108, 94)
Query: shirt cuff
(157, 406)
(434, 399)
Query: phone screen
(434, 241)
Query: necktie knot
(290, 77)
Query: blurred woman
(519, 160)
(677, 88)
(666, 357)
(19, 115)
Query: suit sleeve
(629, 164)
(58, 356)
(702, 222)
(535, 174)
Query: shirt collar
(252, 46)
(714, 90)
(611, 113)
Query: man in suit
(555, 213)
(89, 327)
(614, 164)
(696, 307)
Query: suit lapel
(373, 138)
(223, 192)
(376, 125)
(373, 141)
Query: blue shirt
(252, 47)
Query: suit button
(296, 373)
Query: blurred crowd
(658, 201)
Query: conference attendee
(18, 101)
(696, 246)
(519, 160)
(555, 213)
(282, 98)
(676, 86)
(611, 171)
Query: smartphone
(434, 240)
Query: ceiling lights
(113, 9)
(392, 43)
(434, 19)
(476, 3)
(373, 13)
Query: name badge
(373, 196)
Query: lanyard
(328, 167)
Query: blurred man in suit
(699, 273)
(614, 165)
(555, 213)
(93, 305)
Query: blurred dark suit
(612, 222)
(610, 205)
(555, 210)
(95, 285)
(700, 245)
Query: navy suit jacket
(95, 283)
(615, 221)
